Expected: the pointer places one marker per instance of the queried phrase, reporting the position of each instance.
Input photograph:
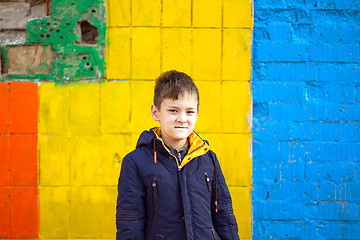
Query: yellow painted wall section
(211, 41)
(85, 129)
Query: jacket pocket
(154, 195)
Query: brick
(85, 107)
(307, 131)
(54, 102)
(210, 105)
(4, 107)
(24, 107)
(4, 160)
(5, 210)
(29, 59)
(274, 33)
(115, 99)
(280, 171)
(235, 159)
(23, 160)
(146, 13)
(24, 212)
(338, 72)
(284, 72)
(83, 171)
(336, 192)
(242, 209)
(236, 63)
(113, 147)
(14, 15)
(206, 13)
(85, 206)
(55, 212)
(235, 95)
(273, 4)
(334, 172)
(206, 64)
(176, 14)
(237, 14)
(336, 229)
(294, 229)
(338, 5)
(321, 16)
(288, 92)
(145, 60)
(296, 52)
(118, 61)
(54, 160)
(176, 49)
(118, 18)
(141, 96)
(292, 15)
(344, 34)
(107, 228)
(284, 210)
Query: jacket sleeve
(224, 220)
(130, 213)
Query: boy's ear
(155, 113)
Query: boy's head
(172, 84)
(176, 104)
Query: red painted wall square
(4, 107)
(4, 160)
(24, 212)
(24, 107)
(4, 210)
(23, 160)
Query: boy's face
(177, 119)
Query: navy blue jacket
(160, 199)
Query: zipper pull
(154, 185)
(179, 168)
(207, 179)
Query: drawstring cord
(154, 144)
(215, 173)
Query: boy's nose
(182, 117)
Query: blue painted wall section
(306, 98)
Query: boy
(171, 187)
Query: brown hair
(171, 84)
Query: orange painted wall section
(19, 198)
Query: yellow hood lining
(197, 148)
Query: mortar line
(161, 35)
(192, 39)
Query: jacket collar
(197, 148)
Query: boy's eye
(191, 112)
(172, 110)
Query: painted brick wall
(211, 41)
(306, 143)
(84, 121)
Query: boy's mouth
(181, 127)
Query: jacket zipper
(177, 162)
(207, 179)
(155, 195)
